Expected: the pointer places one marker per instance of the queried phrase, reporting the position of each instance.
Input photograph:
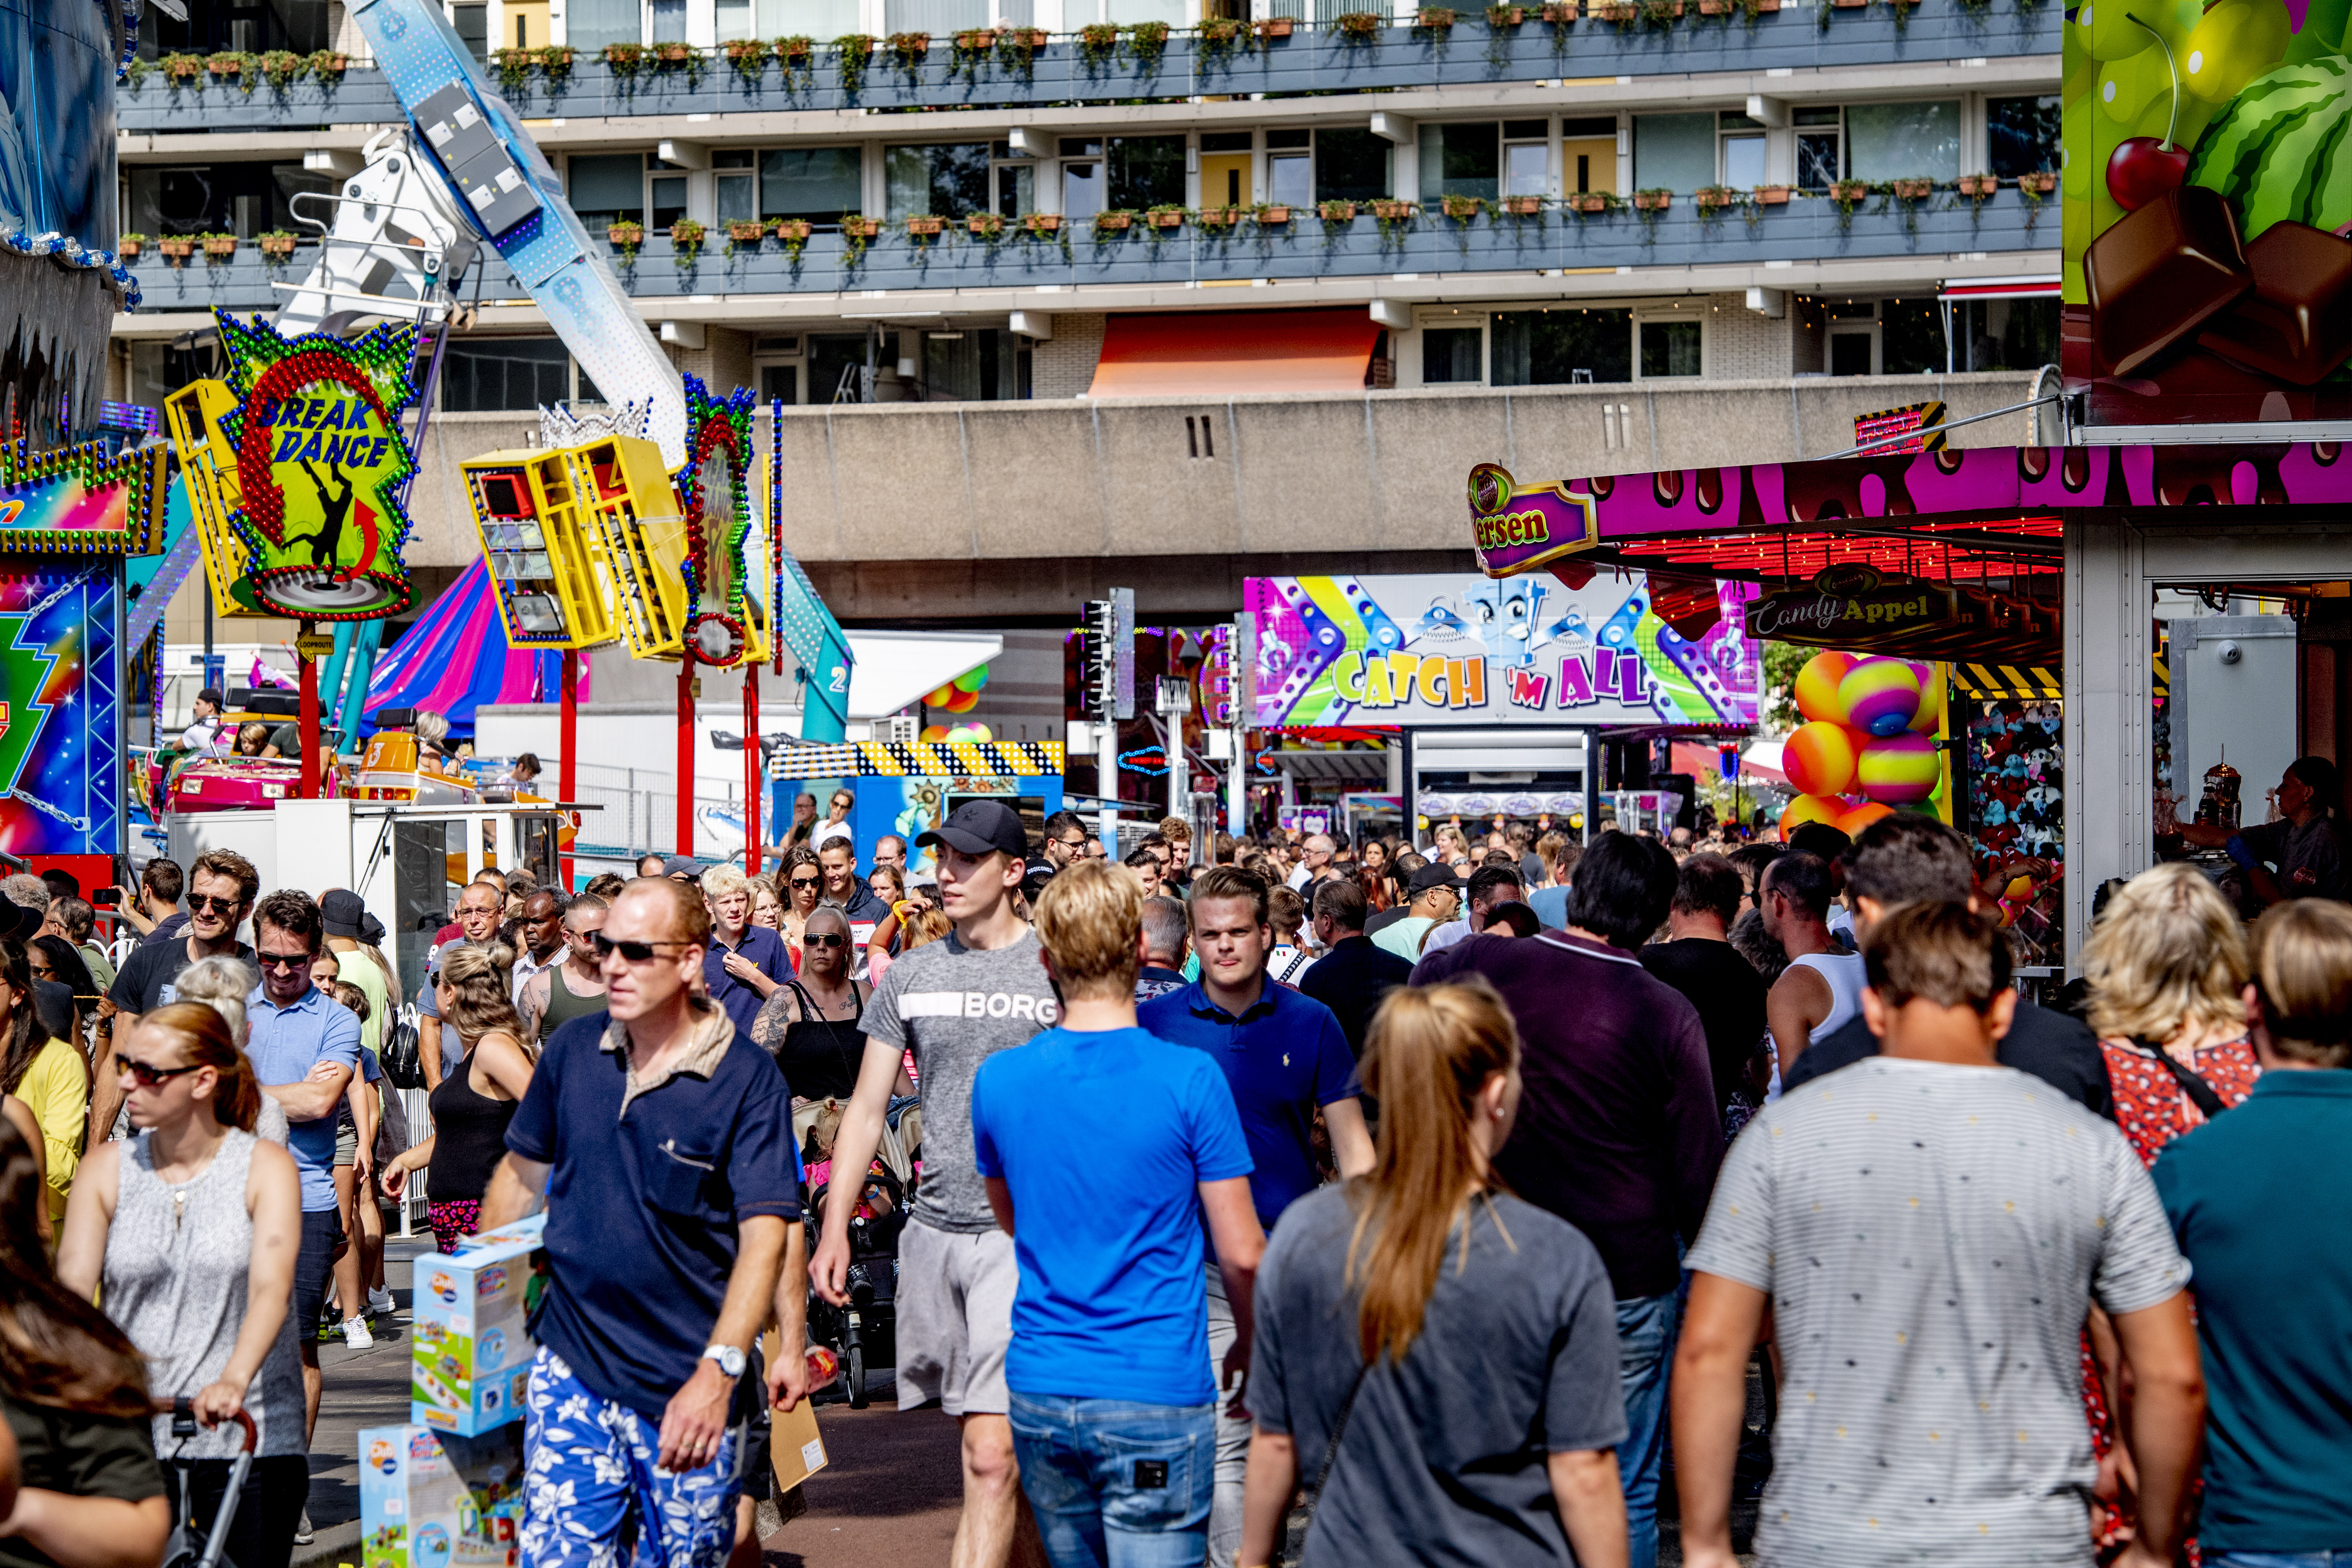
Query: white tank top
(1844, 973)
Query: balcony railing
(1806, 229)
(1068, 70)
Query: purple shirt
(766, 950)
(1617, 1133)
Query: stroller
(183, 1550)
(863, 1334)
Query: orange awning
(1217, 354)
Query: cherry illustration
(2143, 168)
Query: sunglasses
(285, 959)
(148, 1077)
(634, 951)
(808, 882)
(198, 904)
(833, 940)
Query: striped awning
(2031, 682)
(926, 759)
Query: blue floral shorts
(595, 1494)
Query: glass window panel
(1127, 13)
(1849, 353)
(668, 202)
(1674, 152)
(2022, 135)
(1290, 180)
(1525, 129)
(1146, 171)
(1669, 348)
(817, 18)
(959, 182)
(952, 367)
(1817, 161)
(1903, 141)
(734, 20)
(1460, 161)
(2005, 334)
(592, 23)
(1450, 354)
(1351, 165)
(933, 17)
(1562, 346)
(1910, 337)
(491, 374)
(1525, 169)
(1016, 189)
(1224, 140)
(1082, 191)
(605, 186)
(669, 21)
(735, 203)
(819, 183)
(1290, 136)
(1743, 162)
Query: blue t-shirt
(285, 1045)
(643, 1204)
(765, 949)
(1111, 1303)
(2256, 1198)
(1283, 1057)
(1550, 905)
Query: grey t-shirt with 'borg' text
(958, 1007)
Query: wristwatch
(731, 1361)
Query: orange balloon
(1821, 758)
(1816, 692)
(1861, 816)
(935, 731)
(959, 702)
(1808, 808)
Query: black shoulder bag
(2192, 1083)
(1331, 1449)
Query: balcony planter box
(328, 64)
(1590, 201)
(1505, 16)
(1041, 223)
(794, 231)
(1615, 11)
(1913, 190)
(277, 244)
(2040, 183)
(1220, 218)
(1978, 186)
(1772, 195)
(928, 226)
(1849, 191)
(745, 231)
(218, 247)
(673, 54)
(1166, 220)
(1391, 211)
(797, 49)
(224, 64)
(1460, 209)
(176, 248)
(1028, 37)
(1336, 212)
(1272, 214)
(1107, 222)
(1652, 202)
(1523, 206)
(1710, 197)
(183, 68)
(129, 247)
(1849, 4)
(1362, 26)
(1276, 27)
(976, 40)
(856, 227)
(626, 234)
(910, 47)
(1560, 13)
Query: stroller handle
(243, 1419)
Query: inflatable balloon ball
(1817, 686)
(1861, 816)
(1820, 758)
(1901, 770)
(1882, 696)
(973, 681)
(960, 701)
(940, 696)
(1808, 808)
(1931, 701)
(969, 732)
(935, 731)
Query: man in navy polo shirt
(746, 962)
(662, 1138)
(1284, 1055)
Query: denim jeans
(1115, 1484)
(2341, 1558)
(1646, 1327)
(1232, 1433)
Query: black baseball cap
(979, 827)
(1434, 875)
(341, 913)
(18, 923)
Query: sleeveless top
(469, 1136)
(821, 1056)
(174, 1281)
(562, 1006)
(1843, 972)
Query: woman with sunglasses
(51, 1077)
(477, 1097)
(810, 1025)
(767, 903)
(187, 1232)
(803, 885)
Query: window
(2004, 334)
(669, 21)
(732, 174)
(1225, 169)
(1562, 346)
(1527, 157)
(1127, 13)
(668, 200)
(1588, 154)
(592, 23)
(817, 18)
(1461, 160)
(1452, 354)
(734, 17)
(472, 22)
(986, 365)
(1082, 190)
(486, 375)
(1910, 337)
(819, 183)
(606, 187)
(935, 16)
(1146, 171)
(1820, 142)
(1743, 152)
(1669, 348)
(1674, 152)
(1016, 187)
(1903, 141)
(1351, 165)
(2021, 135)
(948, 179)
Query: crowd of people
(1425, 1203)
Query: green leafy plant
(685, 58)
(555, 64)
(685, 240)
(743, 232)
(852, 53)
(909, 50)
(1220, 36)
(1145, 43)
(127, 245)
(1394, 217)
(1097, 43)
(748, 56)
(857, 232)
(182, 68)
(1016, 50)
(1165, 218)
(1714, 200)
(281, 69)
(796, 56)
(972, 50)
(514, 66)
(1649, 203)
(1112, 221)
(135, 71)
(1848, 195)
(232, 65)
(276, 243)
(1460, 209)
(1592, 204)
(1359, 26)
(1901, 14)
(624, 60)
(793, 233)
(1501, 21)
(1659, 15)
(626, 237)
(218, 244)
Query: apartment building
(1104, 259)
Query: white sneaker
(356, 1335)
(382, 1301)
(303, 1534)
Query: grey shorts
(955, 1319)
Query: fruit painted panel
(2208, 181)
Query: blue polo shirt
(2256, 1197)
(1284, 1057)
(1111, 1304)
(765, 949)
(644, 1200)
(285, 1045)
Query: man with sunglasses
(675, 1214)
(305, 1049)
(221, 888)
(1066, 840)
(955, 1002)
(574, 988)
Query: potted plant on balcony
(625, 59)
(1977, 188)
(1394, 216)
(1219, 35)
(281, 69)
(1769, 195)
(1276, 27)
(1097, 42)
(748, 56)
(1653, 199)
(1336, 212)
(329, 65)
(795, 48)
(1218, 218)
(1848, 195)
(1911, 190)
(276, 243)
(626, 237)
(1359, 27)
(1037, 226)
(1030, 38)
(514, 68)
(909, 49)
(1618, 11)
(1713, 198)
(1113, 220)
(1560, 13)
(176, 248)
(1145, 43)
(554, 64)
(1271, 215)
(226, 63)
(673, 53)
(742, 232)
(923, 224)
(852, 53)
(1460, 209)
(793, 233)
(129, 246)
(1583, 204)
(2040, 183)
(1165, 216)
(183, 67)
(1523, 206)
(219, 247)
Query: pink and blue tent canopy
(456, 658)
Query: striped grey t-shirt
(1931, 1236)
